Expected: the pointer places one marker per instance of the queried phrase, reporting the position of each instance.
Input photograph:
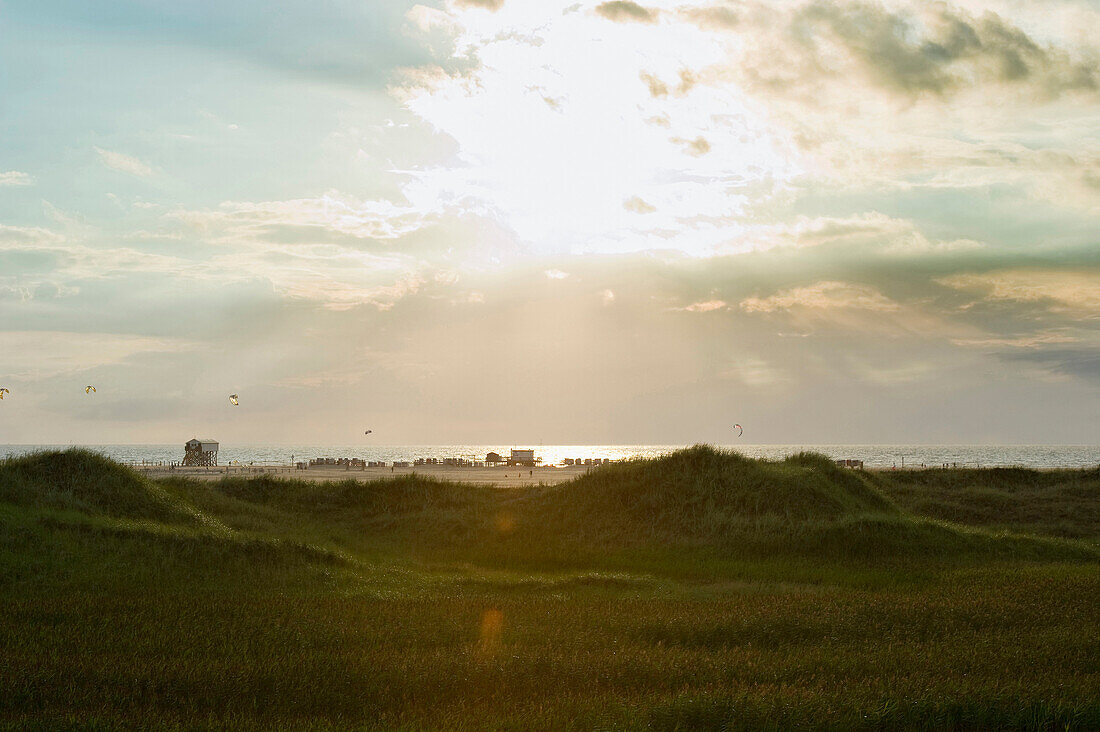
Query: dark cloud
(1081, 363)
(626, 11)
(946, 51)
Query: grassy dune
(700, 590)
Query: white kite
(740, 429)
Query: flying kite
(89, 389)
(368, 432)
(233, 399)
(3, 391)
(740, 430)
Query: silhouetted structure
(200, 452)
(525, 458)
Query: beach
(498, 476)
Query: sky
(522, 221)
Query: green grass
(702, 590)
(1055, 503)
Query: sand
(493, 476)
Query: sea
(873, 456)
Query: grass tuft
(86, 481)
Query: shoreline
(495, 476)
(499, 476)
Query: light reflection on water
(881, 456)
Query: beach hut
(493, 458)
(522, 457)
(200, 452)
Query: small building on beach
(526, 458)
(200, 452)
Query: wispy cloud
(124, 163)
(1077, 290)
(44, 354)
(706, 306)
(822, 296)
(15, 178)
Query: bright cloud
(706, 306)
(124, 163)
(1077, 291)
(15, 178)
(554, 132)
(822, 296)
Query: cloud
(1034, 340)
(929, 49)
(754, 372)
(706, 306)
(826, 295)
(490, 5)
(713, 18)
(332, 211)
(1066, 291)
(15, 178)
(27, 236)
(657, 88)
(626, 11)
(636, 205)
(44, 354)
(124, 163)
(696, 148)
(1081, 363)
(868, 233)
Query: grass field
(699, 590)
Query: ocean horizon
(873, 455)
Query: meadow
(701, 590)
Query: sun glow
(588, 135)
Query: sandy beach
(500, 476)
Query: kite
(233, 399)
(89, 389)
(3, 391)
(368, 432)
(740, 430)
